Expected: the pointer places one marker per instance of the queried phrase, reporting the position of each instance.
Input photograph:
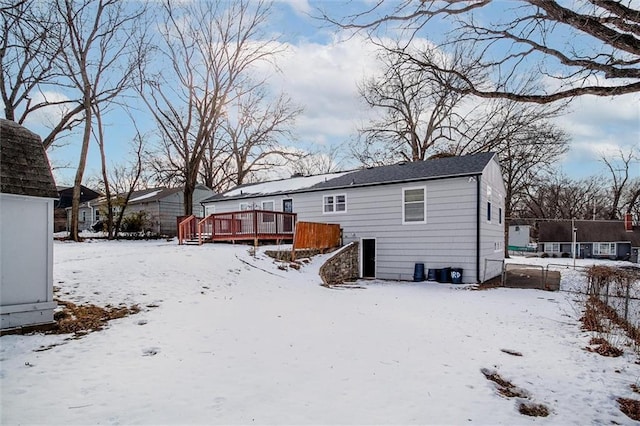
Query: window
(97, 215)
(499, 214)
(84, 216)
(552, 248)
(489, 200)
(414, 202)
(604, 249)
(245, 206)
(334, 203)
(268, 205)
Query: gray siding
(492, 231)
(447, 239)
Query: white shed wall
(26, 260)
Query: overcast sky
(320, 70)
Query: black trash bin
(456, 275)
(431, 274)
(418, 272)
(445, 275)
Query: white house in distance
(27, 197)
(162, 205)
(445, 212)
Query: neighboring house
(65, 199)
(27, 196)
(162, 205)
(519, 236)
(615, 239)
(446, 212)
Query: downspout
(478, 227)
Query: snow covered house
(162, 205)
(27, 196)
(445, 212)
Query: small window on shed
(499, 214)
(489, 211)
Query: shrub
(135, 222)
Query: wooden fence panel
(311, 235)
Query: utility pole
(574, 241)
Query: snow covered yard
(225, 338)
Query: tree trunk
(75, 205)
(188, 198)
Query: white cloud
(323, 79)
(301, 7)
(600, 127)
(48, 116)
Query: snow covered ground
(226, 338)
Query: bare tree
(418, 112)
(98, 32)
(118, 183)
(32, 38)
(324, 160)
(586, 48)
(254, 132)
(556, 196)
(209, 47)
(619, 167)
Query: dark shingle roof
(466, 165)
(24, 167)
(588, 231)
(419, 170)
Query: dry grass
(83, 319)
(533, 410)
(630, 407)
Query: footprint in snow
(150, 351)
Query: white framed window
(209, 209)
(552, 248)
(604, 249)
(84, 216)
(414, 205)
(500, 215)
(334, 203)
(245, 206)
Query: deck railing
(187, 228)
(247, 225)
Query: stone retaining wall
(343, 266)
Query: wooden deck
(248, 225)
